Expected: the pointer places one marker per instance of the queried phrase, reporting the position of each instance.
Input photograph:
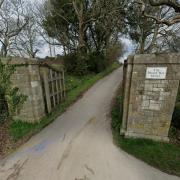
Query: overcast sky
(129, 48)
(45, 50)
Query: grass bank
(164, 156)
(76, 86)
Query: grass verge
(164, 156)
(75, 87)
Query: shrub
(10, 97)
(176, 116)
(82, 64)
(115, 52)
(76, 64)
(97, 62)
(69, 62)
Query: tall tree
(105, 30)
(60, 23)
(12, 22)
(141, 29)
(149, 34)
(81, 25)
(28, 42)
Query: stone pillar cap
(156, 58)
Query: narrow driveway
(79, 145)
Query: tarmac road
(79, 146)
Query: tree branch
(19, 29)
(171, 3)
(1, 2)
(174, 20)
(168, 22)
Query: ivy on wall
(11, 99)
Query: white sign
(34, 84)
(156, 72)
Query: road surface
(78, 145)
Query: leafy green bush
(10, 97)
(114, 52)
(70, 62)
(81, 67)
(82, 64)
(176, 116)
(76, 64)
(97, 62)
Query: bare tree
(12, 22)
(28, 41)
(174, 5)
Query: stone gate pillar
(150, 92)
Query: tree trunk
(79, 10)
(82, 33)
(153, 41)
(4, 48)
(142, 42)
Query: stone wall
(27, 79)
(30, 80)
(149, 99)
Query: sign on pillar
(152, 83)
